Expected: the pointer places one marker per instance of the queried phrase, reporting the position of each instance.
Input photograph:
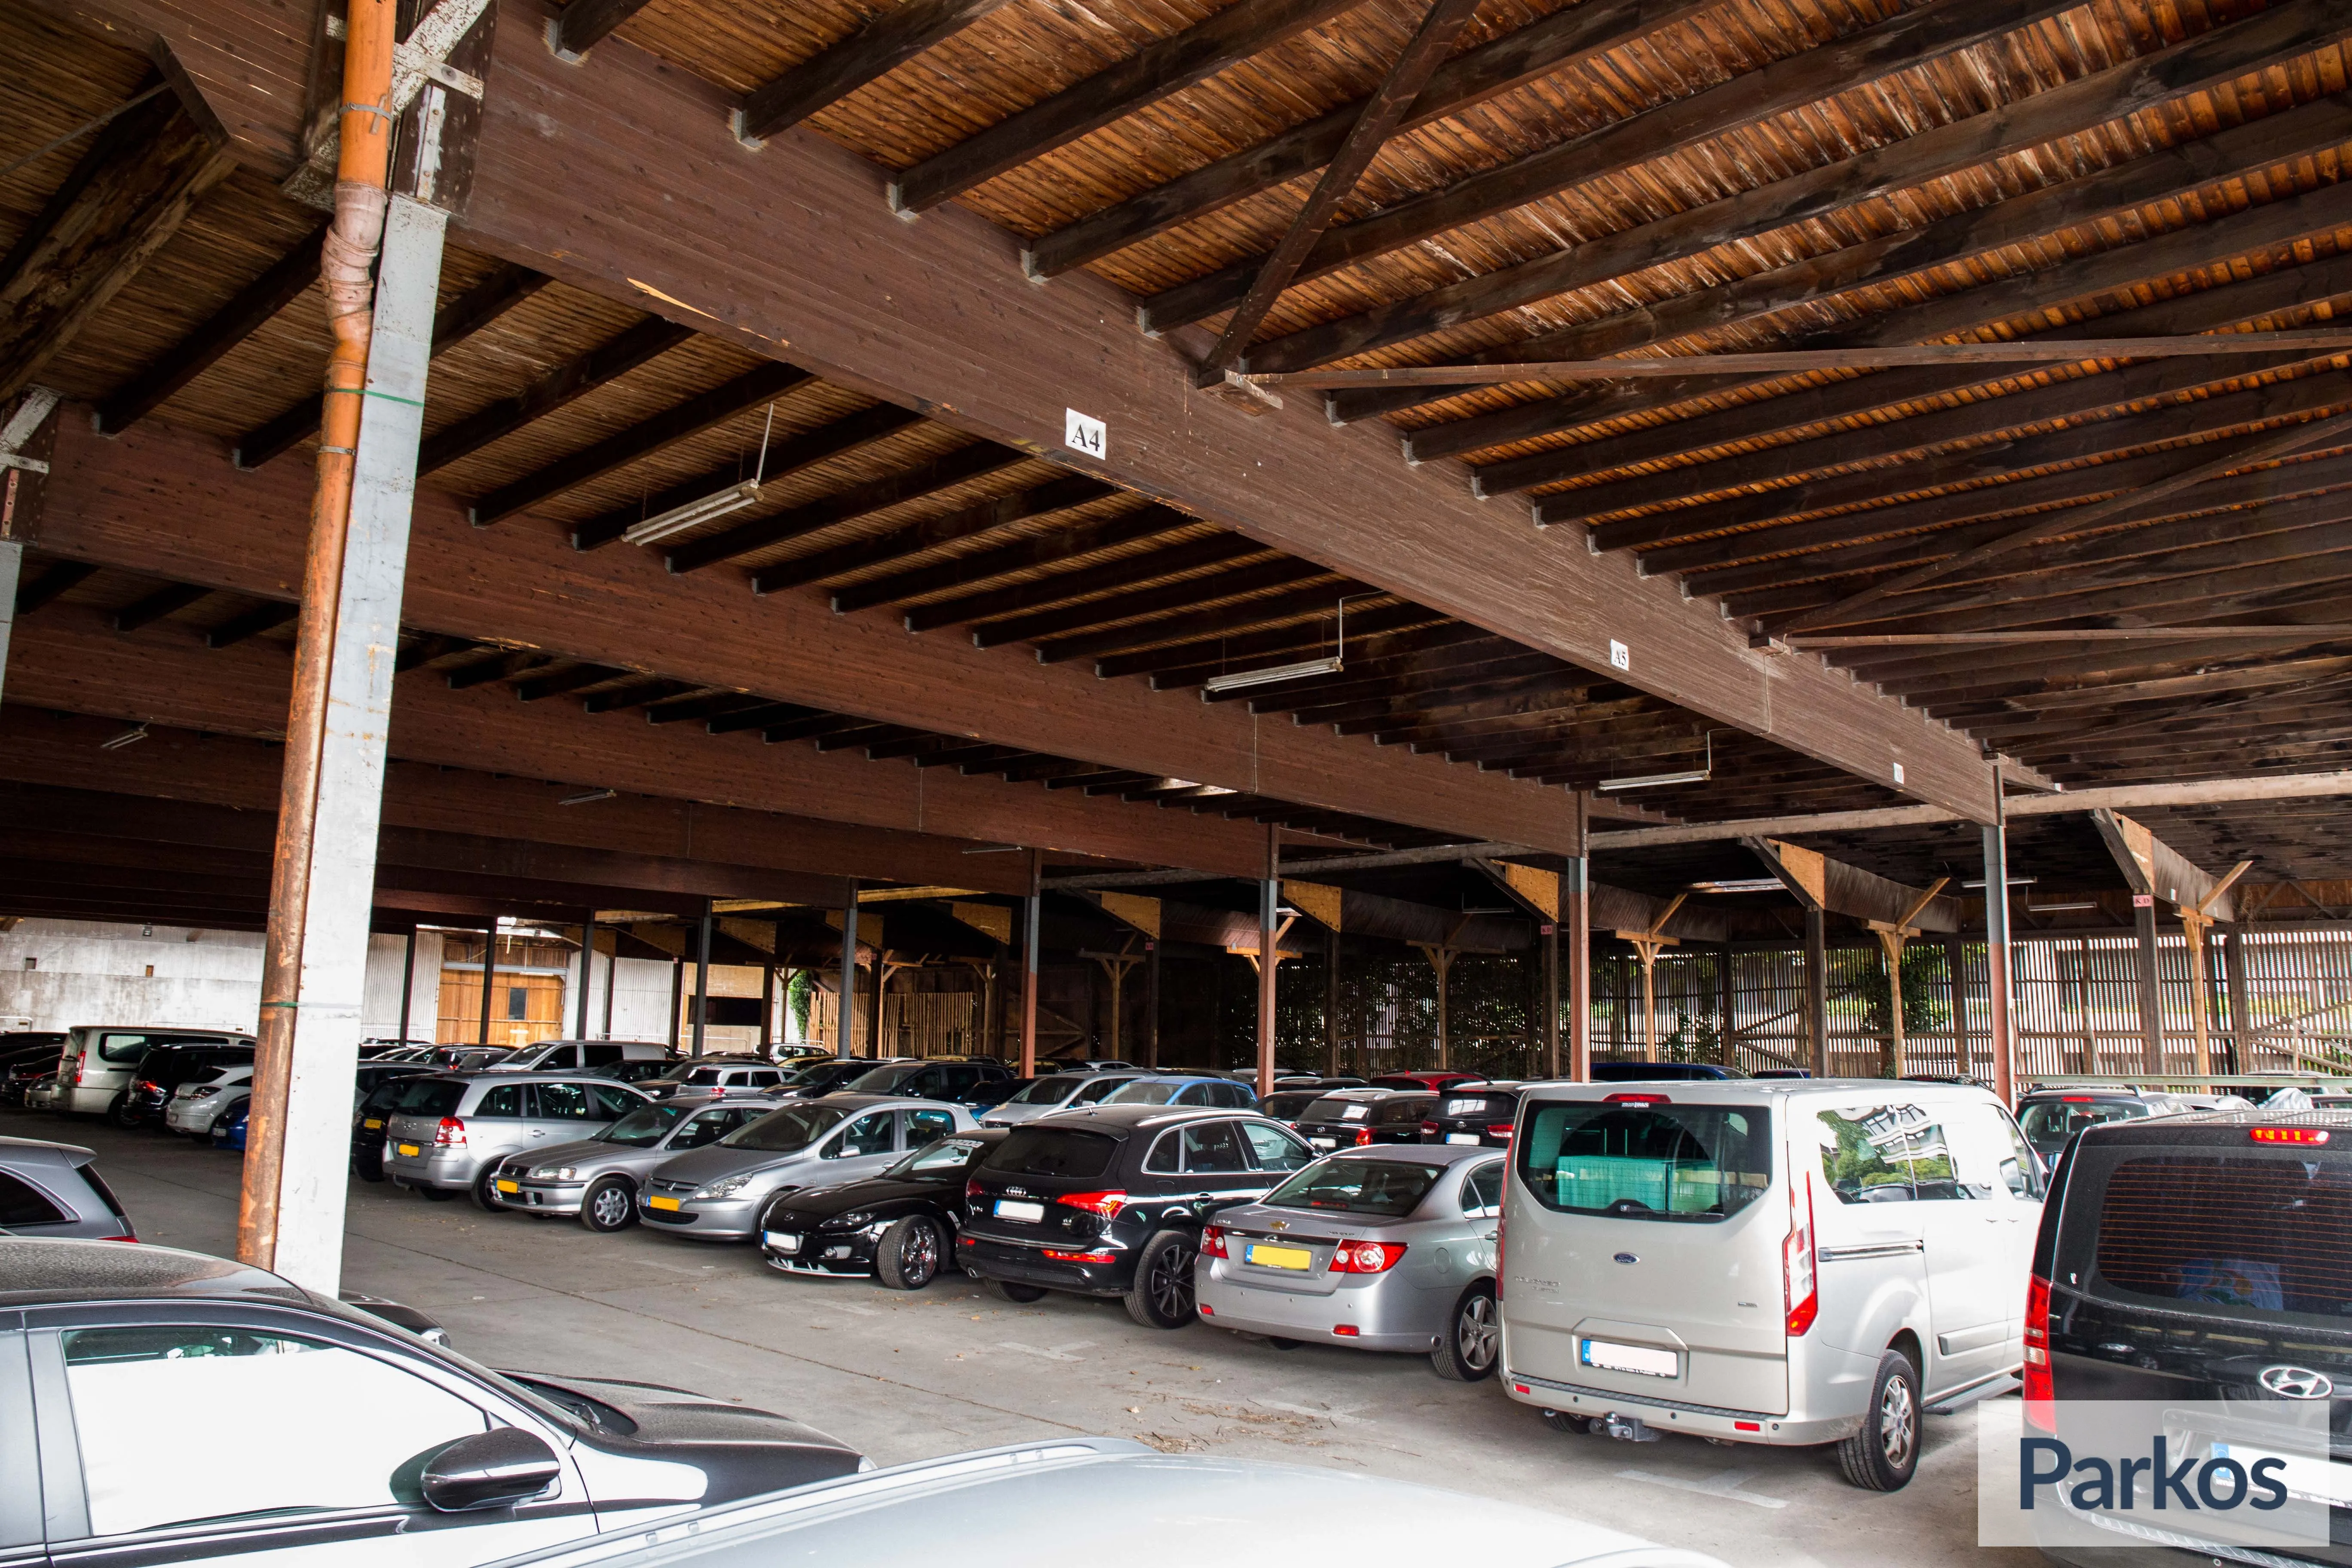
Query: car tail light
(2039, 1388)
(1429, 1129)
(1499, 1130)
(1367, 1256)
(1799, 1271)
(1363, 1137)
(1107, 1205)
(450, 1135)
(1212, 1242)
(117, 1238)
(150, 1086)
(1747, 1425)
(1346, 1331)
(972, 1189)
(2077, 1099)
(1638, 1100)
(2288, 1134)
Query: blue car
(1184, 1088)
(228, 1132)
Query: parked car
(987, 1097)
(1661, 1072)
(1101, 1063)
(162, 1373)
(712, 1078)
(228, 1133)
(41, 1093)
(2051, 1118)
(1110, 1201)
(1055, 1091)
(1648, 1224)
(377, 1047)
(948, 1080)
(1434, 1079)
(900, 1226)
(54, 1190)
(468, 1059)
(1477, 1114)
(28, 1057)
(989, 1502)
(448, 1132)
(824, 1076)
(1383, 1249)
(597, 1177)
(2198, 1259)
(163, 1070)
(197, 1106)
(718, 1192)
(373, 1075)
(1353, 1118)
(97, 1065)
(1183, 1089)
(1290, 1104)
(566, 1056)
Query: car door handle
(1492, 1235)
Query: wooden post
(1029, 928)
(489, 969)
(701, 976)
(2194, 924)
(612, 973)
(408, 982)
(845, 1043)
(1551, 998)
(874, 1014)
(1441, 958)
(2151, 993)
(1575, 896)
(1890, 944)
(1646, 945)
(587, 958)
(1817, 991)
(2241, 1013)
(1152, 1003)
(1998, 974)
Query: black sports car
(900, 1227)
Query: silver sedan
(597, 1178)
(1390, 1247)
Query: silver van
(95, 1065)
(1788, 1262)
(447, 1132)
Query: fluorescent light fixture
(1739, 885)
(1274, 672)
(734, 498)
(588, 797)
(2054, 909)
(130, 737)
(2013, 882)
(1655, 781)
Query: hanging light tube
(1269, 676)
(1656, 781)
(678, 519)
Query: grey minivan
(718, 1192)
(447, 1132)
(597, 1178)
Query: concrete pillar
(587, 968)
(1817, 992)
(291, 1216)
(2151, 993)
(702, 977)
(848, 1042)
(1998, 972)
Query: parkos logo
(2093, 1482)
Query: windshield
(814, 1073)
(944, 1161)
(780, 1131)
(1644, 1161)
(880, 1080)
(1099, 1088)
(1052, 1151)
(2055, 1121)
(642, 1127)
(1389, 1189)
(1141, 1091)
(1046, 1091)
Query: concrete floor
(904, 1376)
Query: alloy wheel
(1476, 1334)
(1898, 1424)
(1170, 1282)
(611, 1207)
(919, 1255)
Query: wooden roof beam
(52, 585)
(541, 687)
(168, 600)
(584, 23)
(1063, 634)
(962, 467)
(1392, 626)
(2154, 867)
(1039, 549)
(832, 73)
(1143, 78)
(267, 615)
(221, 333)
(552, 389)
(977, 520)
(1010, 608)
(1309, 698)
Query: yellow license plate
(373, 1124)
(1267, 1257)
(661, 1203)
(410, 1150)
(505, 1186)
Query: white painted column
(350, 780)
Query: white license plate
(1462, 1137)
(780, 1241)
(1325, 1143)
(1647, 1360)
(1013, 1208)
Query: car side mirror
(502, 1466)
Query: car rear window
(428, 1097)
(2259, 1233)
(2055, 1121)
(1390, 1189)
(1501, 1106)
(1052, 1151)
(1641, 1160)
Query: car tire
(907, 1256)
(485, 1197)
(1883, 1455)
(1471, 1344)
(1014, 1290)
(123, 1114)
(608, 1205)
(1161, 1296)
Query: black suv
(1109, 1201)
(950, 1081)
(2050, 1117)
(164, 1069)
(1478, 1114)
(1353, 1118)
(2194, 1257)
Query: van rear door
(1643, 1250)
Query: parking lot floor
(908, 1375)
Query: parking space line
(1058, 1352)
(1722, 1484)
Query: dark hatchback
(163, 1407)
(900, 1227)
(1355, 1118)
(1473, 1113)
(164, 1069)
(2205, 1257)
(369, 1119)
(1109, 1201)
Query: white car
(197, 1108)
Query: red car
(1424, 1079)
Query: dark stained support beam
(1143, 78)
(233, 322)
(165, 601)
(541, 687)
(1557, 42)
(584, 23)
(1390, 629)
(875, 50)
(52, 585)
(460, 318)
(1172, 618)
(759, 718)
(930, 533)
(620, 699)
(251, 623)
(981, 565)
(1217, 550)
(566, 383)
(689, 418)
(124, 199)
(962, 467)
(421, 651)
(499, 666)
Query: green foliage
(1923, 990)
(798, 995)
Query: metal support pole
(676, 996)
(1269, 962)
(290, 1211)
(587, 970)
(1817, 992)
(407, 982)
(702, 977)
(1997, 966)
(2151, 993)
(767, 1007)
(1331, 1003)
(489, 973)
(612, 973)
(1576, 899)
(1029, 928)
(1551, 998)
(847, 1044)
(1151, 1005)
